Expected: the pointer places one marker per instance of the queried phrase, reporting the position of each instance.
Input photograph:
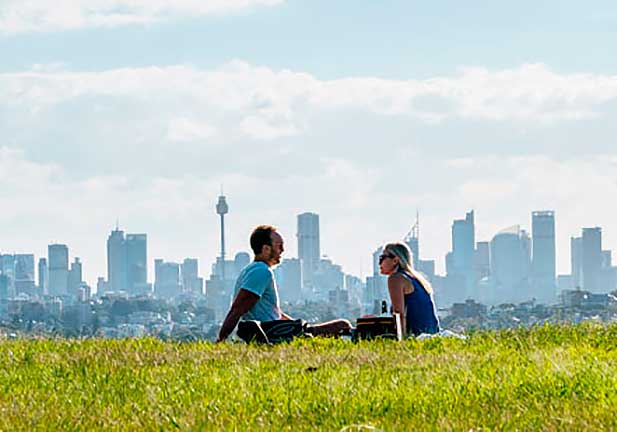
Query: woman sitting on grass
(410, 293)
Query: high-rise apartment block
(591, 245)
(75, 278)
(460, 261)
(308, 247)
(166, 279)
(137, 264)
(127, 258)
(58, 258)
(463, 244)
(576, 262)
(482, 260)
(191, 282)
(510, 266)
(43, 276)
(116, 261)
(24, 274)
(7, 270)
(543, 265)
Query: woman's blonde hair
(405, 263)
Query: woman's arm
(396, 285)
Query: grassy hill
(548, 378)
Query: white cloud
(182, 129)
(531, 92)
(261, 129)
(268, 104)
(25, 16)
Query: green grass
(547, 378)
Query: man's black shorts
(271, 331)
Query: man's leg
(251, 331)
(336, 327)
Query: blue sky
(361, 111)
(391, 39)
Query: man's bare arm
(243, 303)
(284, 316)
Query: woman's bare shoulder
(399, 280)
(396, 278)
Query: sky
(140, 111)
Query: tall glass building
(308, 247)
(543, 271)
(58, 258)
(591, 245)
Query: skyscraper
(58, 258)
(460, 262)
(166, 279)
(308, 247)
(592, 259)
(24, 274)
(576, 261)
(482, 260)
(463, 243)
(510, 266)
(75, 278)
(608, 273)
(137, 263)
(116, 261)
(543, 272)
(43, 276)
(191, 282)
(607, 259)
(7, 268)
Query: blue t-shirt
(258, 278)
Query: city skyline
(361, 113)
(464, 245)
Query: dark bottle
(384, 307)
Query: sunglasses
(382, 257)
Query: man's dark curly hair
(261, 236)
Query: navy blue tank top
(420, 312)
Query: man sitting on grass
(256, 296)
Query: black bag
(271, 331)
(383, 327)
